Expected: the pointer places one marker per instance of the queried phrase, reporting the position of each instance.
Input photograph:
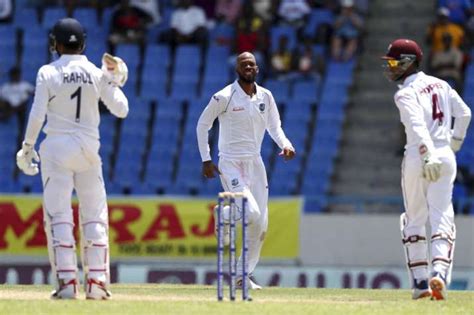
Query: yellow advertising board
(149, 227)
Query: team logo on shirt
(235, 182)
(261, 107)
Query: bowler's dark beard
(244, 79)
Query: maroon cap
(403, 47)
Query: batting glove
(431, 168)
(114, 69)
(25, 158)
(456, 144)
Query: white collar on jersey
(411, 78)
(241, 92)
(72, 57)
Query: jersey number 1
(78, 103)
(437, 113)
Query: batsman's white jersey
(67, 94)
(68, 91)
(243, 121)
(427, 106)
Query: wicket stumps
(230, 198)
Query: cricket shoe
(251, 282)
(226, 232)
(97, 290)
(67, 290)
(421, 289)
(438, 287)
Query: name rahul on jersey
(77, 77)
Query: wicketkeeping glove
(115, 69)
(26, 158)
(456, 144)
(431, 168)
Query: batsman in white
(67, 93)
(427, 107)
(245, 111)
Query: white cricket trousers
(69, 162)
(248, 175)
(430, 200)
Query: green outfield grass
(190, 299)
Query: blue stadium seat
(282, 186)
(153, 89)
(166, 130)
(307, 91)
(315, 185)
(183, 90)
(159, 172)
(315, 204)
(276, 32)
(8, 185)
(141, 109)
(51, 15)
(96, 36)
(8, 34)
(7, 59)
(26, 18)
(290, 167)
(217, 54)
(156, 54)
(318, 17)
(196, 107)
(87, 17)
(189, 175)
(7, 160)
(169, 108)
(166, 14)
(459, 191)
(210, 187)
(29, 184)
(330, 128)
(298, 111)
(155, 71)
(279, 88)
(209, 88)
(130, 53)
(106, 20)
(320, 50)
(222, 34)
(217, 71)
(35, 55)
(188, 56)
(337, 69)
(35, 36)
(331, 112)
(334, 93)
(217, 66)
(94, 51)
(186, 73)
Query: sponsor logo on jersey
(235, 182)
(77, 77)
(238, 109)
(261, 107)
